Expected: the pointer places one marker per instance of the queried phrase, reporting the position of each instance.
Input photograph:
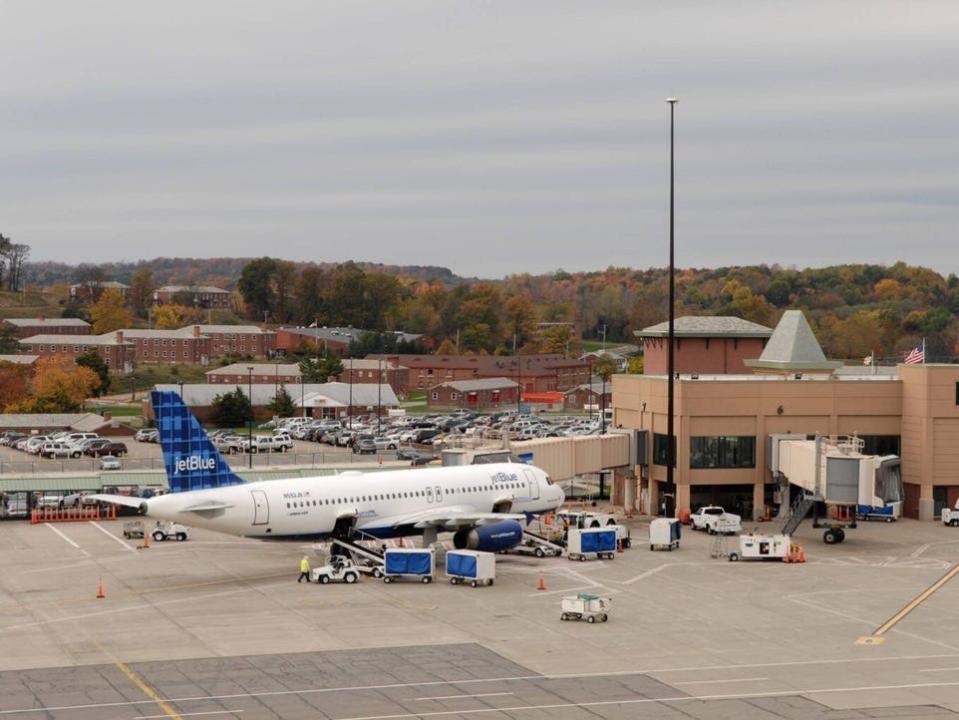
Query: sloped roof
(480, 384)
(707, 326)
(20, 359)
(364, 394)
(339, 394)
(107, 339)
(192, 289)
(47, 322)
(49, 420)
(793, 346)
(258, 369)
(244, 329)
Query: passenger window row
(393, 496)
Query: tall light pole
(349, 410)
(670, 359)
(249, 429)
(379, 393)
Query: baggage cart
(133, 529)
(664, 533)
(586, 607)
(418, 563)
(591, 543)
(470, 566)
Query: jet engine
(489, 538)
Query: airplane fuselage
(309, 508)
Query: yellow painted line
(148, 691)
(916, 602)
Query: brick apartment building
(116, 351)
(198, 296)
(193, 344)
(589, 396)
(536, 373)
(240, 373)
(331, 339)
(376, 370)
(25, 327)
(482, 394)
(713, 345)
(91, 291)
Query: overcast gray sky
(489, 137)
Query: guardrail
(80, 514)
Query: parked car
(52, 450)
(230, 444)
(385, 443)
(364, 445)
(9, 439)
(109, 462)
(34, 444)
(118, 449)
(714, 519)
(266, 444)
(418, 459)
(145, 435)
(91, 447)
(48, 501)
(282, 442)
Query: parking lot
(147, 456)
(688, 635)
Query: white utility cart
(762, 547)
(665, 533)
(586, 607)
(470, 566)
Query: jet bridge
(832, 472)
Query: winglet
(191, 460)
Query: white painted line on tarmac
(110, 535)
(575, 588)
(508, 678)
(456, 697)
(647, 701)
(939, 669)
(919, 551)
(63, 535)
(645, 574)
(208, 712)
(707, 682)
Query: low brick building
(483, 394)
(589, 396)
(536, 373)
(374, 371)
(91, 291)
(330, 339)
(239, 340)
(239, 373)
(27, 327)
(198, 296)
(716, 345)
(116, 351)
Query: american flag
(917, 356)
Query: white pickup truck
(268, 443)
(714, 519)
(951, 517)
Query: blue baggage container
(399, 562)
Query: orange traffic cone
(100, 593)
(542, 583)
(146, 542)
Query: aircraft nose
(560, 495)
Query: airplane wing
(453, 518)
(126, 500)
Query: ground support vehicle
(586, 607)
(536, 545)
(414, 563)
(762, 547)
(470, 566)
(133, 529)
(665, 533)
(951, 517)
(169, 531)
(714, 519)
(887, 513)
(591, 543)
(341, 569)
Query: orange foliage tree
(59, 385)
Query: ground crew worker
(304, 569)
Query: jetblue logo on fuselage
(192, 463)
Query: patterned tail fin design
(191, 460)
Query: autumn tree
(59, 385)
(14, 382)
(282, 404)
(447, 347)
(91, 359)
(110, 313)
(171, 317)
(140, 293)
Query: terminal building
(723, 423)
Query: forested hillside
(855, 309)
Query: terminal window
(661, 450)
(722, 451)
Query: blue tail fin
(192, 462)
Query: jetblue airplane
(483, 505)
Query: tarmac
(218, 627)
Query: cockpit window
(549, 480)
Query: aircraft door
(429, 494)
(532, 482)
(439, 494)
(261, 508)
